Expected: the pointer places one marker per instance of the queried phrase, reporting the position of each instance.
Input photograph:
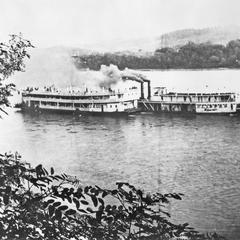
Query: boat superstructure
(219, 102)
(105, 101)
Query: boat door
(102, 108)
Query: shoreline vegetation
(39, 204)
(189, 56)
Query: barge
(199, 103)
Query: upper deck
(80, 96)
(161, 95)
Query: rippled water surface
(196, 155)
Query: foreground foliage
(40, 204)
(12, 55)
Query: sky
(77, 22)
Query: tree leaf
(86, 189)
(176, 196)
(114, 192)
(62, 208)
(56, 204)
(95, 201)
(76, 201)
(101, 201)
(104, 194)
(51, 210)
(82, 210)
(84, 202)
(70, 212)
(49, 202)
(69, 199)
(89, 210)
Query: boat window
(225, 105)
(35, 102)
(116, 106)
(215, 105)
(65, 105)
(220, 105)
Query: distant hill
(220, 35)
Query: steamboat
(130, 100)
(87, 101)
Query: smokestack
(141, 79)
(149, 89)
(142, 90)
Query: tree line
(188, 56)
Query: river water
(195, 155)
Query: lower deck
(198, 108)
(38, 105)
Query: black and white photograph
(119, 120)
